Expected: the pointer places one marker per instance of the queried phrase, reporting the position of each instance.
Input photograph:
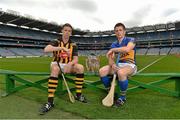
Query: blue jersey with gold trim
(125, 57)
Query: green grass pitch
(144, 104)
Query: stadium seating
(141, 51)
(153, 51)
(6, 30)
(165, 51)
(18, 41)
(175, 50)
(6, 52)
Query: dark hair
(92, 54)
(67, 25)
(120, 24)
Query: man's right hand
(109, 53)
(115, 67)
(65, 49)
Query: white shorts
(61, 65)
(128, 64)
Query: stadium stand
(153, 51)
(26, 36)
(175, 50)
(6, 52)
(141, 51)
(165, 51)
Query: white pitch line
(6, 70)
(150, 64)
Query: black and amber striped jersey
(61, 55)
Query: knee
(79, 68)
(102, 71)
(55, 70)
(121, 74)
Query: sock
(123, 87)
(106, 81)
(79, 80)
(52, 85)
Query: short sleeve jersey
(126, 57)
(61, 55)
